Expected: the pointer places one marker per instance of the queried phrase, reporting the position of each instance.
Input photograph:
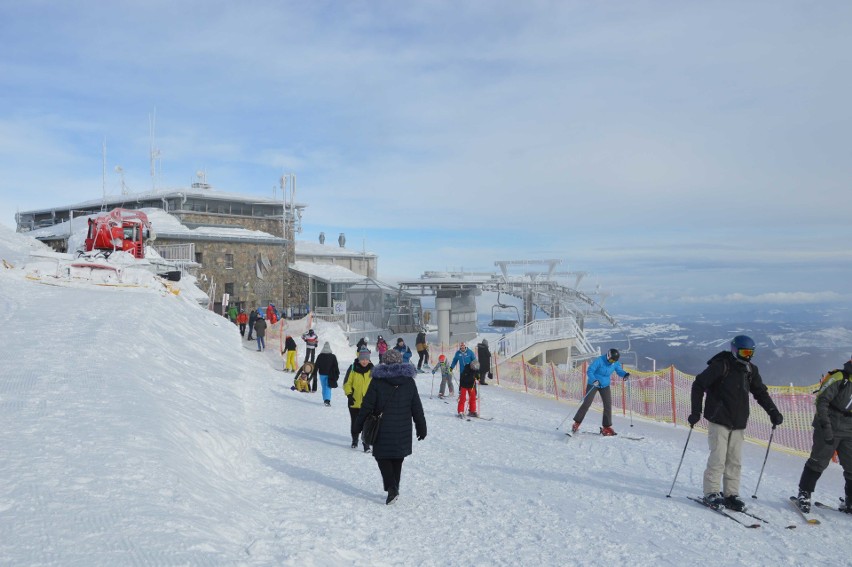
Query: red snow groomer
(119, 229)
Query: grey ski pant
(606, 398)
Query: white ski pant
(725, 461)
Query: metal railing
(542, 330)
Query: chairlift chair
(501, 315)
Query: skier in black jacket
(832, 432)
(393, 393)
(727, 381)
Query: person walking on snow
(467, 389)
(832, 432)
(311, 340)
(392, 392)
(463, 357)
(251, 320)
(355, 385)
(483, 355)
(381, 348)
(290, 354)
(446, 376)
(328, 372)
(242, 321)
(598, 376)
(260, 333)
(727, 381)
(362, 343)
(422, 351)
(232, 314)
(403, 350)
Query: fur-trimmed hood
(394, 373)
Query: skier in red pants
(467, 388)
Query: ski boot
(733, 502)
(714, 500)
(608, 431)
(576, 427)
(803, 501)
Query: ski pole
(759, 478)
(669, 495)
(432, 388)
(591, 389)
(630, 401)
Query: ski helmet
(442, 358)
(742, 347)
(612, 354)
(475, 365)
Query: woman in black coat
(484, 357)
(393, 392)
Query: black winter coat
(289, 344)
(727, 382)
(327, 366)
(396, 380)
(468, 377)
(483, 355)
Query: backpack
(830, 378)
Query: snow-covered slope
(140, 429)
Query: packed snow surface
(141, 429)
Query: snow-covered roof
(111, 200)
(331, 273)
(165, 226)
(304, 248)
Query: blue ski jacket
(601, 370)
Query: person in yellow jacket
(355, 385)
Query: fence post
(555, 386)
(674, 404)
(524, 370)
(496, 369)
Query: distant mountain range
(793, 346)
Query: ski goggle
(745, 353)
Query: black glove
(626, 376)
(775, 417)
(694, 418)
(421, 436)
(351, 399)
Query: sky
(140, 429)
(681, 153)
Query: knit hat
(393, 357)
(326, 348)
(364, 353)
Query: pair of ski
(467, 417)
(810, 517)
(732, 514)
(599, 434)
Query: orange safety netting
(665, 396)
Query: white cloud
(781, 297)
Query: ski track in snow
(140, 430)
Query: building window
(198, 258)
(229, 261)
(229, 289)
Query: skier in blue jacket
(597, 376)
(463, 357)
